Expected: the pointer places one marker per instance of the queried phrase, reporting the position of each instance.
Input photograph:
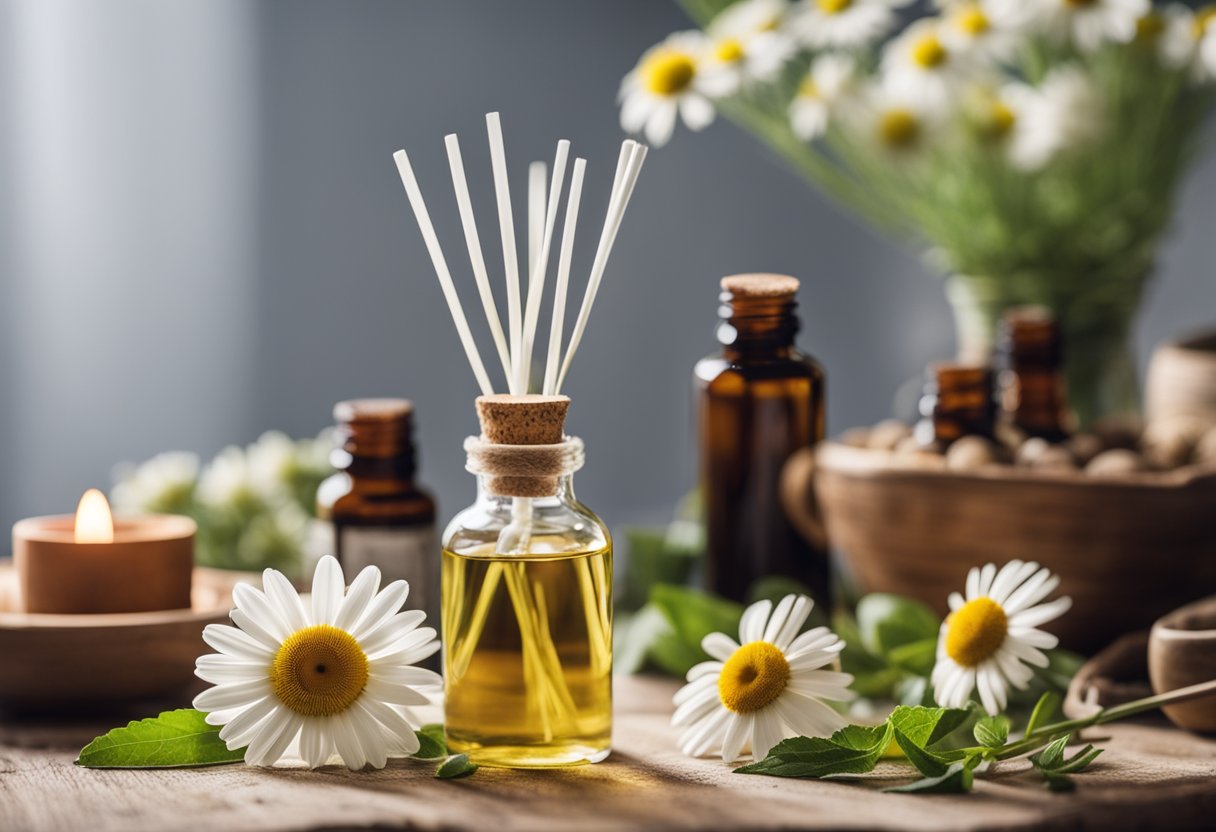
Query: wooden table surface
(1151, 776)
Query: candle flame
(94, 523)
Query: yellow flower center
(899, 128)
(753, 677)
(1079, 4)
(319, 671)
(1203, 19)
(833, 6)
(1000, 119)
(769, 24)
(808, 88)
(1149, 27)
(668, 72)
(728, 50)
(975, 631)
(971, 20)
(928, 52)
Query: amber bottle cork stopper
(760, 285)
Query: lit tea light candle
(91, 562)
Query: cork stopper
(760, 285)
(513, 422)
(523, 420)
(373, 410)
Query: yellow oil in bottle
(528, 655)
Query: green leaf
(854, 749)
(691, 615)
(1078, 761)
(432, 742)
(1059, 782)
(453, 767)
(957, 779)
(915, 657)
(992, 731)
(1043, 709)
(926, 726)
(888, 621)
(926, 762)
(175, 739)
(1051, 756)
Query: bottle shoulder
(556, 527)
(741, 365)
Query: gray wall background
(202, 236)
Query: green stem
(1035, 739)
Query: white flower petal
(797, 617)
(703, 669)
(1008, 579)
(360, 594)
(661, 123)
(738, 731)
(1035, 616)
(808, 716)
(219, 669)
(393, 693)
(1032, 592)
(398, 626)
(1018, 674)
(635, 111)
(315, 747)
(404, 675)
(254, 628)
(255, 604)
(233, 695)
(236, 730)
(973, 584)
(405, 643)
(693, 688)
(371, 735)
(766, 732)
(956, 601)
(811, 659)
(696, 708)
(1025, 652)
(392, 722)
(751, 625)
(1033, 638)
(381, 608)
(719, 645)
(705, 736)
(987, 574)
(273, 738)
(328, 586)
(284, 596)
(985, 683)
(777, 621)
(233, 642)
(346, 741)
(696, 111)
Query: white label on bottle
(408, 554)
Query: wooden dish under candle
(58, 661)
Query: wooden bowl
(1127, 550)
(57, 661)
(1181, 380)
(1182, 652)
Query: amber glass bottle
(1033, 391)
(379, 515)
(959, 401)
(759, 401)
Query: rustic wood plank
(1151, 775)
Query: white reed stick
(624, 183)
(536, 280)
(506, 227)
(536, 211)
(441, 269)
(461, 186)
(563, 276)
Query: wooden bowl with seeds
(1129, 546)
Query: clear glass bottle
(378, 514)
(527, 598)
(759, 401)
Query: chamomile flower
(895, 124)
(1087, 23)
(746, 42)
(768, 686)
(1016, 118)
(669, 82)
(830, 78)
(966, 29)
(990, 640)
(843, 23)
(333, 671)
(163, 484)
(1188, 40)
(919, 66)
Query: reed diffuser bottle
(527, 598)
(527, 569)
(759, 401)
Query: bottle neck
(757, 325)
(399, 467)
(488, 493)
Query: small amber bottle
(379, 515)
(959, 401)
(759, 401)
(1031, 357)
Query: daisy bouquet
(1032, 148)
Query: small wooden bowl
(57, 661)
(1127, 550)
(1181, 380)
(1182, 652)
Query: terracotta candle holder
(147, 567)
